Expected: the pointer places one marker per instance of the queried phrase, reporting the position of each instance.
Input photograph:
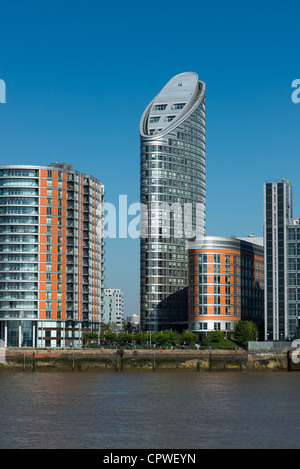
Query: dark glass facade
(277, 223)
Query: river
(163, 410)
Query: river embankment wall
(146, 360)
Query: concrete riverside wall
(141, 360)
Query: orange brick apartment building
(226, 283)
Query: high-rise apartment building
(113, 307)
(51, 255)
(226, 283)
(172, 131)
(282, 262)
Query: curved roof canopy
(172, 104)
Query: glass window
(160, 107)
(178, 105)
(154, 119)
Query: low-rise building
(113, 308)
(226, 283)
(134, 321)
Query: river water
(163, 410)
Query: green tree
(165, 338)
(105, 328)
(124, 338)
(91, 336)
(244, 332)
(127, 327)
(110, 337)
(188, 338)
(215, 336)
(141, 337)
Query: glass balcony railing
(23, 267)
(18, 191)
(18, 304)
(12, 295)
(18, 201)
(18, 314)
(18, 220)
(18, 229)
(19, 210)
(19, 286)
(18, 182)
(18, 248)
(18, 276)
(18, 258)
(19, 239)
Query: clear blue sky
(80, 74)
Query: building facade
(282, 258)
(172, 131)
(134, 320)
(51, 255)
(293, 280)
(226, 283)
(113, 308)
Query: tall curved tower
(172, 193)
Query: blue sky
(80, 74)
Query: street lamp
(149, 331)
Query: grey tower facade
(277, 220)
(172, 132)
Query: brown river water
(163, 410)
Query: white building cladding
(172, 131)
(113, 307)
